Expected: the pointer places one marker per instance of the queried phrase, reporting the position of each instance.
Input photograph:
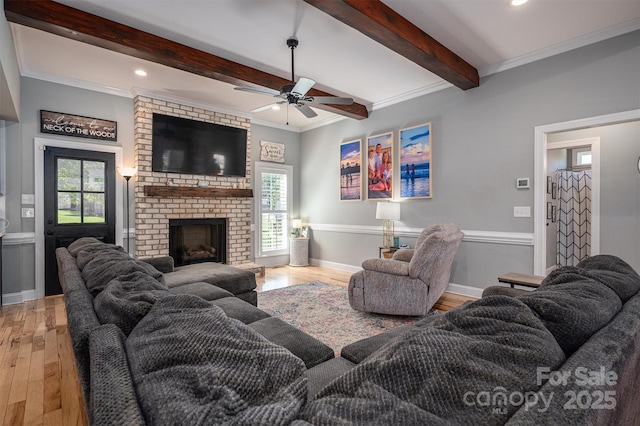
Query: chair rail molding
(19, 238)
(493, 237)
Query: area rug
(322, 310)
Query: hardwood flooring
(38, 378)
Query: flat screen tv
(194, 147)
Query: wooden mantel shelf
(195, 191)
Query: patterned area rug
(322, 310)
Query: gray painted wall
(483, 139)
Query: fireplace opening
(197, 240)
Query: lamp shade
(388, 211)
(127, 171)
(297, 223)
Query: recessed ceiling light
(517, 2)
(275, 107)
(141, 73)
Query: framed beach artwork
(380, 166)
(350, 164)
(415, 162)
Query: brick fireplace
(178, 196)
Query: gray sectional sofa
(566, 353)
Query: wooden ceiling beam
(65, 21)
(379, 22)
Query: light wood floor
(38, 378)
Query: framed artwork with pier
(415, 162)
(350, 165)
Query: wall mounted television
(180, 145)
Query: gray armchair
(413, 280)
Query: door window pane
(93, 208)
(69, 207)
(69, 174)
(93, 176)
(81, 191)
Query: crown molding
(547, 52)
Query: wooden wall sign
(272, 151)
(58, 123)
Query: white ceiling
(488, 34)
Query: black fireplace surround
(198, 240)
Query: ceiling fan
(296, 93)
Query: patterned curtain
(574, 217)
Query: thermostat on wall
(522, 183)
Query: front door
(79, 201)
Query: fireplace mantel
(195, 191)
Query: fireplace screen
(197, 240)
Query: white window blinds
(275, 204)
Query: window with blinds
(275, 204)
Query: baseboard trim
(15, 298)
(334, 265)
(465, 290)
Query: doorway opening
(572, 195)
(541, 134)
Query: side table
(515, 278)
(388, 251)
(299, 252)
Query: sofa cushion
(356, 352)
(240, 310)
(100, 267)
(127, 299)
(309, 349)
(613, 272)
(572, 306)
(324, 373)
(249, 297)
(232, 279)
(81, 317)
(113, 397)
(192, 365)
(205, 290)
(85, 242)
(435, 374)
(163, 264)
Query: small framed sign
(58, 123)
(272, 151)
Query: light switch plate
(522, 211)
(28, 199)
(28, 212)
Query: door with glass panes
(79, 201)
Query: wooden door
(79, 201)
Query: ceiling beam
(379, 22)
(65, 21)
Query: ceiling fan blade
(306, 110)
(330, 100)
(252, 90)
(302, 86)
(266, 107)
